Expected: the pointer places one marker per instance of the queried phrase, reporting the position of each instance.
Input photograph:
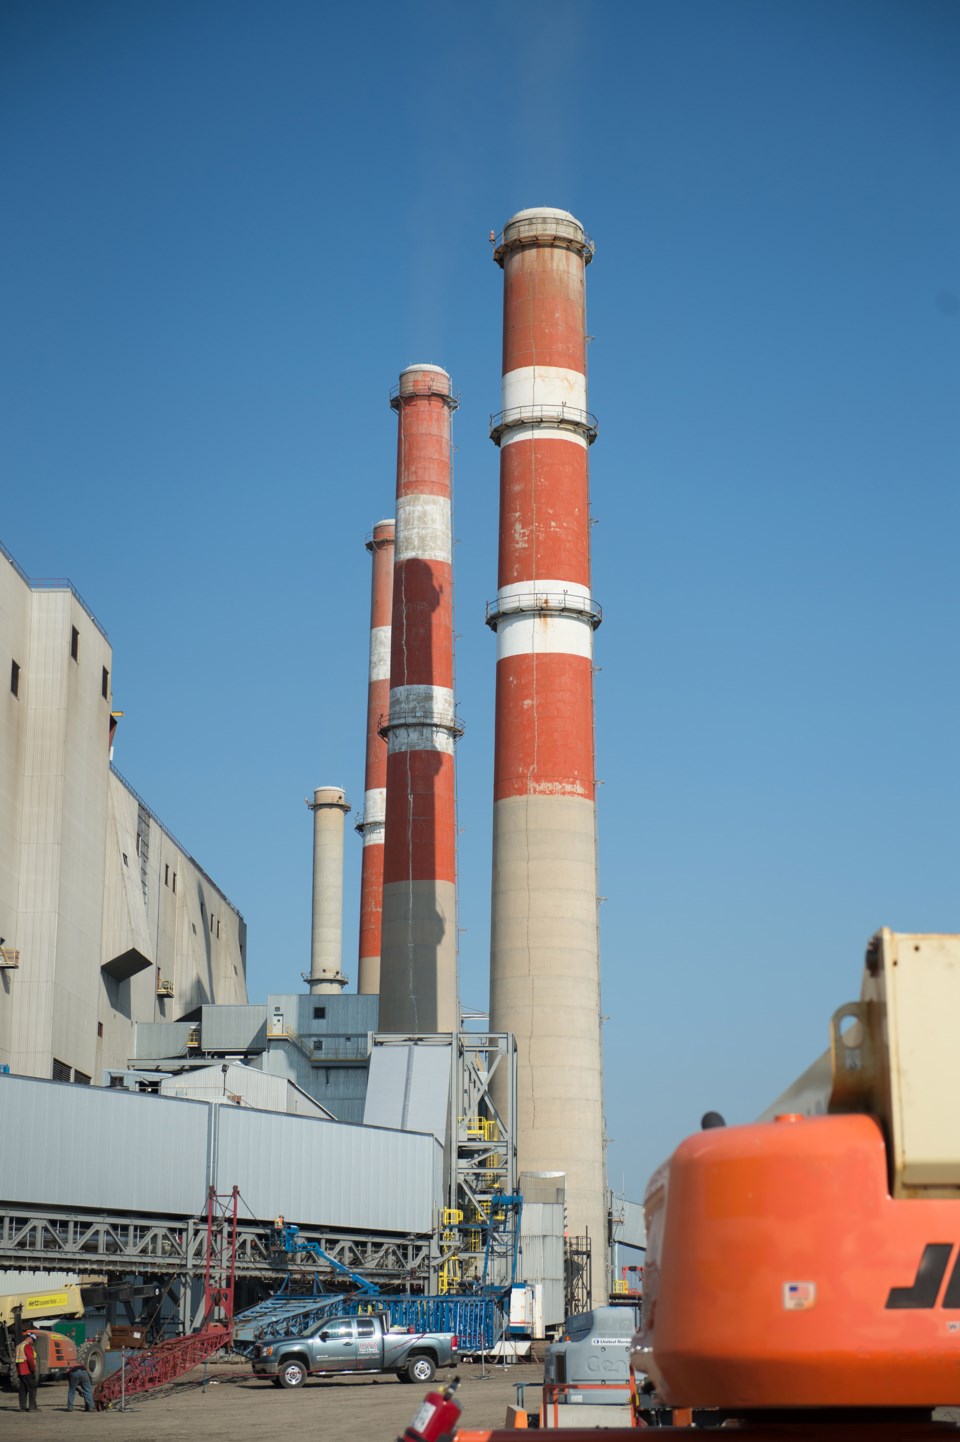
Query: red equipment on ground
(437, 1417)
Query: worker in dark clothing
(28, 1372)
(79, 1377)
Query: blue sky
(227, 227)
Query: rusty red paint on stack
(418, 944)
(371, 826)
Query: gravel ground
(233, 1405)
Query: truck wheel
(92, 1358)
(421, 1369)
(292, 1373)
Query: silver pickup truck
(353, 1344)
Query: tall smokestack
(418, 968)
(371, 827)
(545, 963)
(329, 807)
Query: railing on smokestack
(571, 417)
(430, 384)
(453, 725)
(539, 230)
(556, 603)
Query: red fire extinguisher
(437, 1417)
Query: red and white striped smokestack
(418, 953)
(545, 963)
(371, 825)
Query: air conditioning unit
(164, 988)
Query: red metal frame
(221, 1266)
(159, 1365)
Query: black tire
(91, 1357)
(421, 1368)
(293, 1372)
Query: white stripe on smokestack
(544, 963)
(371, 825)
(423, 529)
(374, 816)
(329, 807)
(418, 977)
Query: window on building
(15, 678)
(75, 643)
(80, 1077)
(174, 883)
(194, 926)
(99, 1028)
(105, 684)
(317, 1044)
(138, 843)
(61, 1072)
(166, 874)
(125, 861)
(218, 928)
(319, 1013)
(211, 923)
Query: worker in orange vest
(28, 1372)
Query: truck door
(368, 1344)
(337, 1346)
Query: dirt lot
(235, 1406)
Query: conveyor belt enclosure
(118, 1151)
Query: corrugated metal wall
(629, 1223)
(541, 1244)
(409, 1087)
(162, 1038)
(233, 1028)
(348, 1013)
(341, 1089)
(357, 1177)
(543, 1186)
(225, 1082)
(119, 1151)
(74, 1146)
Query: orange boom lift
(803, 1273)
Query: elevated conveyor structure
(124, 1190)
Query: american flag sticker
(799, 1296)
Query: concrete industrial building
(544, 958)
(106, 920)
(319, 1043)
